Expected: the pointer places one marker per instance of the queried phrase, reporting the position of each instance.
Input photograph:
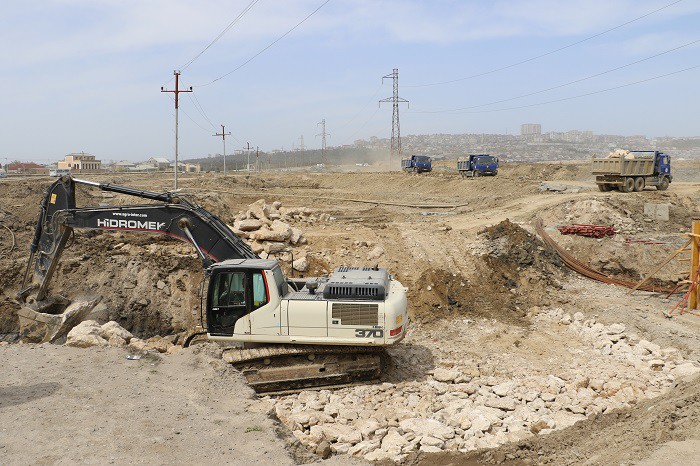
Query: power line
(198, 106)
(561, 85)
(190, 118)
(193, 121)
(226, 29)
(371, 100)
(583, 95)
(201, 111)
(268, 46)
(348, 139)
(547, 53)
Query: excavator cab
(236, 288)
(228, 302)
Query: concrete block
(657, 211)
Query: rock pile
(267, 227)
(620, 154)
(615, 341)
(460, 408)
(90, 333)
(601, 212)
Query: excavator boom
(174, 216)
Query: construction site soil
(490, 305)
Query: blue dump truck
(478, 165)
(417, 164)
(632, 170)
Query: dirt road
(62, 405)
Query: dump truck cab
(417, 164)
(478, 165)
(662, 165)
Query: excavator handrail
(164, 197)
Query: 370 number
(362, 333)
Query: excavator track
(281, 369)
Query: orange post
(694, 297)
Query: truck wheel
(639, 183)
(663, 184)
(627, 185)
(605, 187)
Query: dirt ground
(481, 286)
(63, 405)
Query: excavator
(291, 333)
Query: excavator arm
(173, 215)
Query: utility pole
(248, 152)
(223, 135)
(257, 159)
(323, 135)
(177, 95)
(301, 150)
(395, 127)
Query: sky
(85, 75)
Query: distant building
(188, 167)
(123, 166)
(160, 163)
(530, 129)
(26, 167)
(145, 167)
(191, 168)
(79, 161)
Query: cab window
(259, 291)
(229, 289)
(279, 281)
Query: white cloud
(65, 30)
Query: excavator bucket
(52, 319)
(44, 318)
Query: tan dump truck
(632, 171)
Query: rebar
(587, 270)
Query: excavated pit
(511, 263)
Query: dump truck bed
(623, 167)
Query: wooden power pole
(177, 94)
(223, 135)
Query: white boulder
(427, 427)
(85, 335)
